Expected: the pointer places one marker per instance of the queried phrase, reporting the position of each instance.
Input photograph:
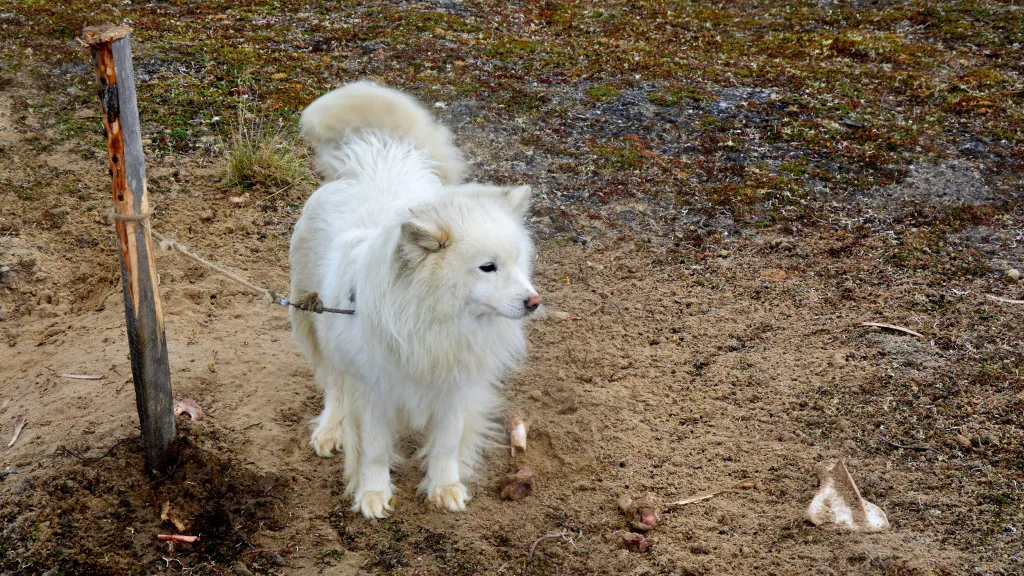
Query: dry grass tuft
(261, 156)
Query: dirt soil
(700, 330)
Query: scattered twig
(893, 327)
(176, 538)
(533, 547)
(19, 423)
(738, 487)
(169, 560)
(917, 447)
(6, 473)
(85, 376)
(517, 438)
(61, 450)
(275, 194)
(1003, 300)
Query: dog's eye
(489, 267)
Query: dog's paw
(325, 440)
(452, 497)
(374, 503)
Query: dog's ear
(518, 199)
(420, 236)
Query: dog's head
(471, 253)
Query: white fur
(364, 106)
(433, 334)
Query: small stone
(962, 441)
(1012, 274)
(517, 486)
(6, 276)
(240, 568)
(622, 463)
(636, 542)
(700, 549)
(206, 216)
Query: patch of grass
(670, 96)
(793, 168)
(603, 92)
(330, 557)
(72, 128)
(261, 158)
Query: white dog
(438, 273)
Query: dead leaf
(188, 405)
(774, 275)
(839, 502)
(165, 516)
(19, 423)
(85, 376)
(517, 486)
(892, 327)
(279, 76)
(641, 513)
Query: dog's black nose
(532, 302)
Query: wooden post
(112, 53)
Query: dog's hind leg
(328, 426)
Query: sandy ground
(670, 367)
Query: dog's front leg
(441, 485)
(374, 490)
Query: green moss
(671, 96)
(793, 168)
(602, 93)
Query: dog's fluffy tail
(366, 106)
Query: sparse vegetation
(603, 92)
(262, 157)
